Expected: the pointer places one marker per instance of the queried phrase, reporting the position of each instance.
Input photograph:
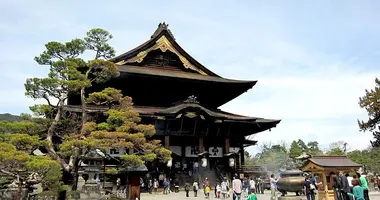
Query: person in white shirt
(236, 188)
(224, 187)
(195, 188)
(273, 187)
(252, 185)
(195, 167)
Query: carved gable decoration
(164, 45)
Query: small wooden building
(322, 166)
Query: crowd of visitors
(356, 190)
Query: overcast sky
(312, 59)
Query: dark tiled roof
(333, 161)
(162, 30)
(157, 71)
(147, 110)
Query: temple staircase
(183, 177)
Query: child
(218, 191)
(207, 191)
(251, 196)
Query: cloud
(318, 105)
(312, 60)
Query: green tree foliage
(371, 103)
(9, 117)
(314, 149)
(16, 160)
(120, 131)
(68, 74)
(295, 150)
(274, 157)
(369, 158)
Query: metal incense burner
(291, 181)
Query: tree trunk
(75, 172)
(19, 191)
(84, 112)
(50, 134)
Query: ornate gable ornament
(164, 45)
(191, 99)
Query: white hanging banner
(176, 149)
(215, 151)
(191, 151)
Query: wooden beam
(180, 130)
(227, 145)
(201, 143)
(167, 127)
(166, 142)
(208, 126)
(195, 126)
(229, 130)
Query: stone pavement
(182, 196)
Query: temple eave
(155, 71)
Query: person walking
(205, 183)
(155, 185)
(357, 190)
(176, 186)
(166, 185)
(236, 188)
(252, 195)
(273, 187)
(337, 185)
(345, 186)
(309, 188)
(225, 188)
(150, 186)
(245, 187)
(187, 188)
(364, 185)
(252, 185)
(195, 188)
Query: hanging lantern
(170, 163)
(231, 162)
(204, 162)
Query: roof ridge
(162, 27)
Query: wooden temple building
(181, 97)
(323, 167)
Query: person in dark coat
(345, 189)
(187, 188)
(336, 185)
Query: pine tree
(371, 103)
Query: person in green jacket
(357, 190)
(251, 196)
(364, 184)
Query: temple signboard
(215, 152)
(191, 151)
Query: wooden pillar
(201, 144)
(242, 155)
(325, 186)
(227, 145)
(166, 142)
